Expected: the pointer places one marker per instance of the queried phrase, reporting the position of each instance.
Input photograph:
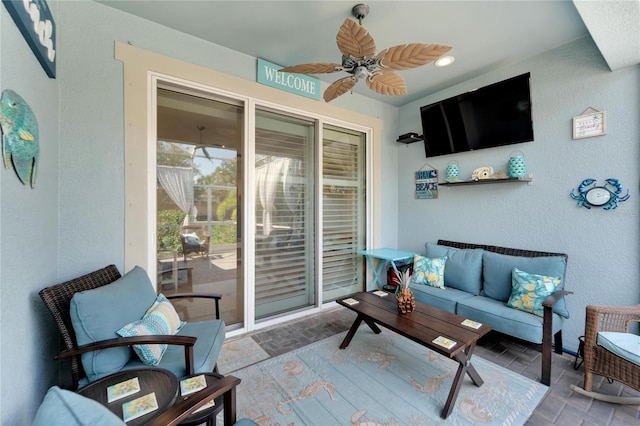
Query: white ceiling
(485, 35)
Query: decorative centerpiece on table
(404, 298)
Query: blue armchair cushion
(160, 319)
(530, 290)
(429, 271)
(210, 337)
(65, 408)
(464, 267)
(625, 345)
(97, 314)
(496, 270)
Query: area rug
(239, 353)
(382, 379)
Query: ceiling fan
(360, 60)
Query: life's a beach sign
(299, 84)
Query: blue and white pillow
(529, 291)
(160, 319)
(429, 271)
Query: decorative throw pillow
(429, 271)
(529, 291)
(160, 319)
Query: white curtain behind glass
(268, 176)
(178, 183)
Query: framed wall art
(590, 125)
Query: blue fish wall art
(20, 145)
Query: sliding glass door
(285, 213)
(343, 212)
(199, 143)
(308, 206)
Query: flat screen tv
(494, 115)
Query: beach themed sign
(427, 184)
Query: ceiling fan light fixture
(444, 61)
(360, 60)
(361, 72)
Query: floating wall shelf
(527, 180)
(409, 140)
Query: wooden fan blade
(387, 82)
(354, 40)
(312, 68)
(339, 87)
(411, 55)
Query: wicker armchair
(600, 361)
(57, 299)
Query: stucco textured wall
(602, 245)
(28, 239)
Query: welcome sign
(299, 84)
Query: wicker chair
(602, 362)
(57, 298)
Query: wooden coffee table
(423, 325)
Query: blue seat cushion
(506, 320)
(625, 345)
(97, 314)
(210, 335)
(463, 269)
(65, 408)
(496, 271)
(444, 299)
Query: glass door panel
(285, 214)
(343, 212)
(199, 179)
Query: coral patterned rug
(382, 379)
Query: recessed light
(444, 61)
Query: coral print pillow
(529, 291)
(429, 271)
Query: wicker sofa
(478, 284)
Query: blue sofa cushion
(506, 320)
(97, 314)
(206, 350)
(463, 269)
(496, 270)
(65, 408)
(442, 299)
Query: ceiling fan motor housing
(361, 72)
